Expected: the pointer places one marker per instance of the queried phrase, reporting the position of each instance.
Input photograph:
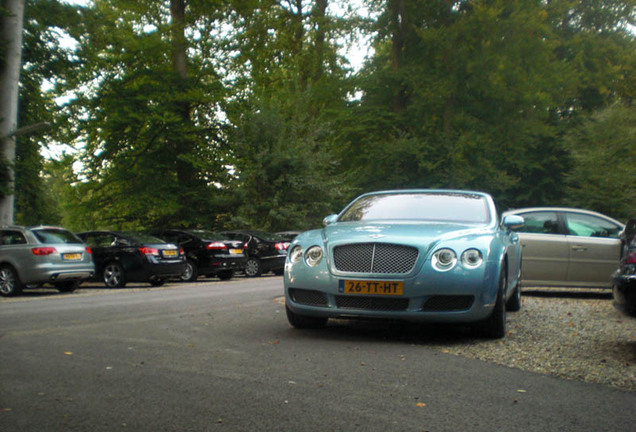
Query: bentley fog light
(296, 254)
(444, 259)
(313, 256)
(472, 258)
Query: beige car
(568, 247)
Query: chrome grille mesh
(378, 258)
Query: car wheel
(494, 327)
(191, 272)
(253, 267)
(304, 321)
(226, 275)
(67, 286)
(514, 302)
(10, 284)
(114, 276)
(157, 281)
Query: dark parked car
(265, 251)
(208, 253)
(122, 257)
(30, 256)
(288, 235)
(624, 280)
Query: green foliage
(603, 177)
(259, 130)
(44, 59)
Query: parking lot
(573, 334)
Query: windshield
(208, 235)
(429, 206)
(55, 235)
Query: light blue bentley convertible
(416, 255)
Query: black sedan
(265, 251)
(208, 253)
(122, 257)
(624, 280)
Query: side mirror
(513, 222)
(330, 219)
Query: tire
(157, 281)
(10, 284)
(66, 286)
(226, 275)
(494, 327)
(514, 302)
(253, 267)
(114, 276)
(191, 273)
(304, 321)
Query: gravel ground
(572, 334)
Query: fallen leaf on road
(69, 353)
(420, 404)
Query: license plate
(171, 253)
(236, 251)
(395, 288)
(72, 256)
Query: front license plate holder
(362, 287)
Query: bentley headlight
(472, 258)
(296, 254)
(313, 256)
(444, 259)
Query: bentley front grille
(377, 258)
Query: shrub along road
(220, 356)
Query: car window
(12, 237)
(583, 225)
(54, 235)
(100, 240)
(540, 223)
(171, 238)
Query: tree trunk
(397, 10)
(11, 37)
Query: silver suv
(44, 254)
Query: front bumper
(430, 296)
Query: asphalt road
(220, 356)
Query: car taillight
(43, 250)
(149, 251)
(216, 246)
(631, 258)
(89, 251)
(181, 251)
(282, 246)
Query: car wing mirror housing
(330, 219)
(513, 222)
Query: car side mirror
(330, 219)
(513, 222)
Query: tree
(285, 111)
(11, 17)
(603, 176)
(150, 126)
